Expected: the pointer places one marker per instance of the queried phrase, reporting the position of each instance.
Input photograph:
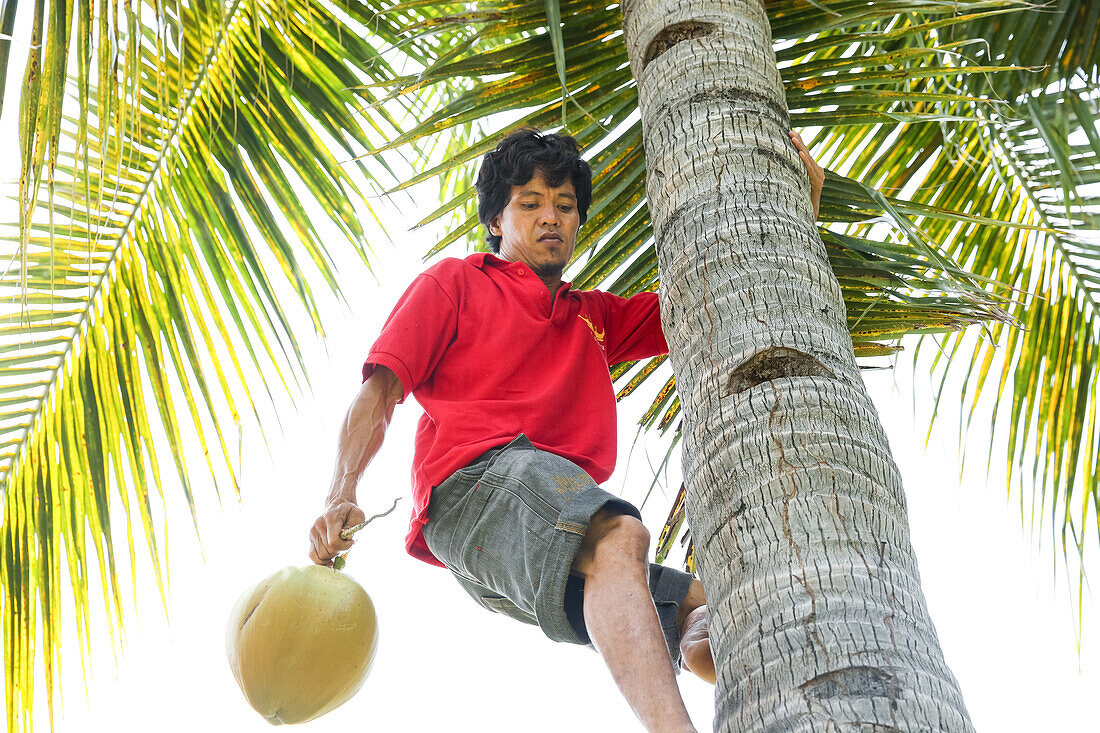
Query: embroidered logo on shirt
(597, 333)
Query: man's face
(538, 226)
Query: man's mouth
(550, 238)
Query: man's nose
(549, 215)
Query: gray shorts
(509, 526)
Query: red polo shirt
(478, 344)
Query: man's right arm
(361, 436)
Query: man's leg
(622, 620)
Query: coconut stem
(347, 532)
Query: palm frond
(1057, 39)
(167, 160)
(1035, 162)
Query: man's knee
(612, 536)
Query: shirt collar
(483, 260)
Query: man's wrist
(339, 496)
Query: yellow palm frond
(169, 154)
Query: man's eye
(566, 209)
(527, 206)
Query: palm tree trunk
(818, 622)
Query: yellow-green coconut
(301, 642)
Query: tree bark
(817, 619)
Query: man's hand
(324, 538)
(817, 173)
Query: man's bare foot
(695, 645)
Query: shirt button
(521, 271)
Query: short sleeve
(633, 327)
(417, 333)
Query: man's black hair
(515, 161)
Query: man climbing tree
(511, 367)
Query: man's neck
(552, 284)
(552, 280)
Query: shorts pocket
(449, 512)
(501, 605)
(468, 512)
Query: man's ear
(494, 226)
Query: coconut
(301, 642)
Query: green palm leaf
(1032, 163)
(161, 206)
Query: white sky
(1004, 616)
